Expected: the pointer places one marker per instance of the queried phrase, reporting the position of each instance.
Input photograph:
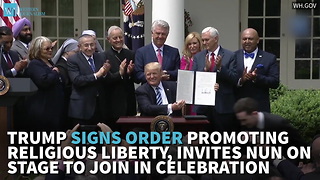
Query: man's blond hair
(152, 65)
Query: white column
(171, 11)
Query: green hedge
(300, 107)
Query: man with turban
(23, 35)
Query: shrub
(301, 108)
(275, 93)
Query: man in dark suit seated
(257, 70)
(222, 61)
(10, 64)
(87, 71)
(157, 97)
(246, 110)
(157, 51)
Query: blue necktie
(251, 55)
(93, 67)
(158, 96)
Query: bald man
(257, 70)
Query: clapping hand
(208, 63)
(130, 67)
(104, 69)
(165, 76)
(218, 61)
(122, 67)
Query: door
(68, 18)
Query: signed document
(199, 92)
(204, 88)
(185, 86)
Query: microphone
(2, 45)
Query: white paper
(185, 84)
(204, 88)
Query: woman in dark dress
(68, 48)
(45, 108)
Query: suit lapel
(22, 47)
(152, 93)
(13, 57)
(240, 61)
(97, 62)
(150, 49)
(85, 62)
(168, 92)
(4, 64)
(257, 60)
(165, 56)
(220, 53)
(202, 60)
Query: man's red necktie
(212, 62)
(9, 61)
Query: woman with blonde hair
(45, 107)
(192, 45)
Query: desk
(180, 124)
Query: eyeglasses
(48, 49)
(92, 45)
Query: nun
(67, 49)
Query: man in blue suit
(157, 51)
(222, 61)
(257, 70)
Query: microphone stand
(1, 56)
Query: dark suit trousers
(221, 122)
(95, 119)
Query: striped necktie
(93, 67)
(158, 96)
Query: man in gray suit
(222, 61)
(87, 71)
(23, 35)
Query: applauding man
(87, 72)
(257, 70)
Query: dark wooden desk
(180, 124)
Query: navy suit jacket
(85, 87)
(226, 78)
(268, 77)
(45, 108)
(15, 58)
(146, 98)
(146, 54)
